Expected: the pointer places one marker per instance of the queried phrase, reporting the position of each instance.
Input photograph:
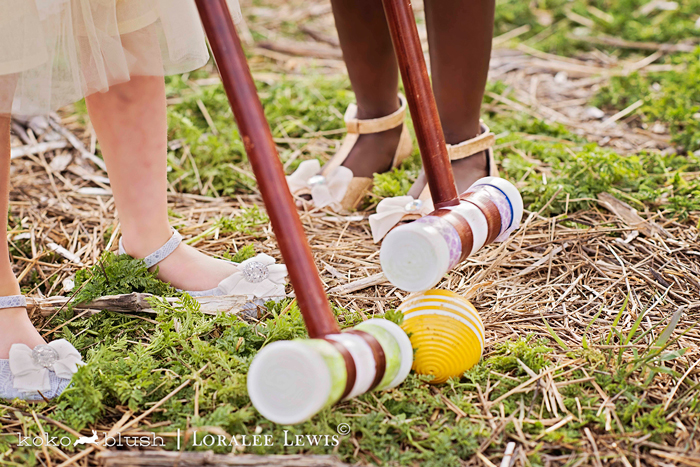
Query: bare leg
(130, 122)
(16, 326)
(8, 283)
(369, 57)
(460, 34)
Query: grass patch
(214, 156)
(547, 160)
(671, 99)
(132, 364)
(118, 274)
(555, 25)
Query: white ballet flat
(257, 277)
(43, 372)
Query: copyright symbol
(343, 429)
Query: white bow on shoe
(41, 373)
(390, 211)
(258, 276)
(47, 368)
(30, 367)
(325, 190)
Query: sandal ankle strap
(374, 125)
(161, 253)
(13, 301)
(485, 140)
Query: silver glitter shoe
(43, 372)
(257, 277)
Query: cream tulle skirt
(55, 52)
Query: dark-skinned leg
(371, 63)
(459, 35)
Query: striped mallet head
(291, 381)
(417, 255)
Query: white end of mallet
(414, 257)
(288, 382)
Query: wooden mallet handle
(267, 167)
(421, 102)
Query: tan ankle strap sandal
(392, 211)
(482, 142)
(334, 185)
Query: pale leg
(16, 326)
(131, 126)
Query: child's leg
(8, 283)
(16, 326)
(460, 33)
(369, 57)
(130, 122)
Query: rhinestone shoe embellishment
(44, 355)
(255, 272)
(414, 205)
(317, 180)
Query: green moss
(556, 162)
(654, 422)
(133, 364)
(246, 252)
(531, 353)
(394, 183)
(114, 275)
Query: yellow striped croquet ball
(446, 333)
